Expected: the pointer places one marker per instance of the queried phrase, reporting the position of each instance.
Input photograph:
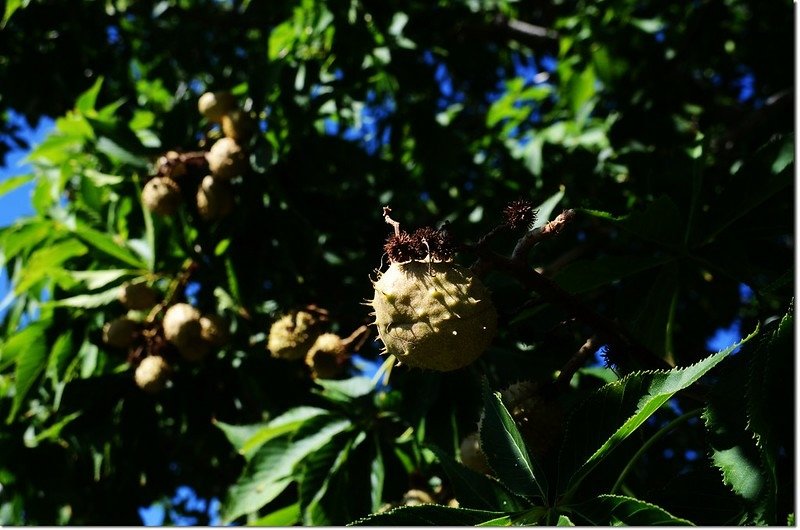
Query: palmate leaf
(505, 449)
(428, 515)
(271, 469)
(476, 490)
(616, 410)
(616, 510)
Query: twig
(576, 361)
(180, 281)
(357, 338)
(389, 220)
(551, 229)
(607, 330)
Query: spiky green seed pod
(291, 336)
(434, 315)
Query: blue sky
(18, 202)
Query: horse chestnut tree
(382, 263)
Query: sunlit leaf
(270, 469)
(617, 510)
(616, 410)
(428, 515)
(506, 451)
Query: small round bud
(539, 417)
(170, 165)
(214, 105)
(214, 330)
(291, 336)
(183, 329)
(152, 374)
(120, 332)
(471, 454)
(214, 199)
(161, 195)
(226, 159)
(239, 125)
(327, 356)
(137, 296)
(416, 497)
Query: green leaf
(563, 520)
(12, 183)
(28, 348)
(11, 7)
(53, 432)
(428, 515)
(100, 278)
(617, 510)
(744, 438)
(545, 210)
(615, 411)
(769, 395)
(505, 449)
(106, 244)
(648, 25)
(86, 102)
(24, 236)
(60, 354)
(102, 179)
(348, 389)
(322, 488)
(87, 301)
(377, 475)
(248, 438)
(270, 470)
(117, 153)
(48, 262)
(476, 490)
(288, 516)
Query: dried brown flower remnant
(519, 214)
